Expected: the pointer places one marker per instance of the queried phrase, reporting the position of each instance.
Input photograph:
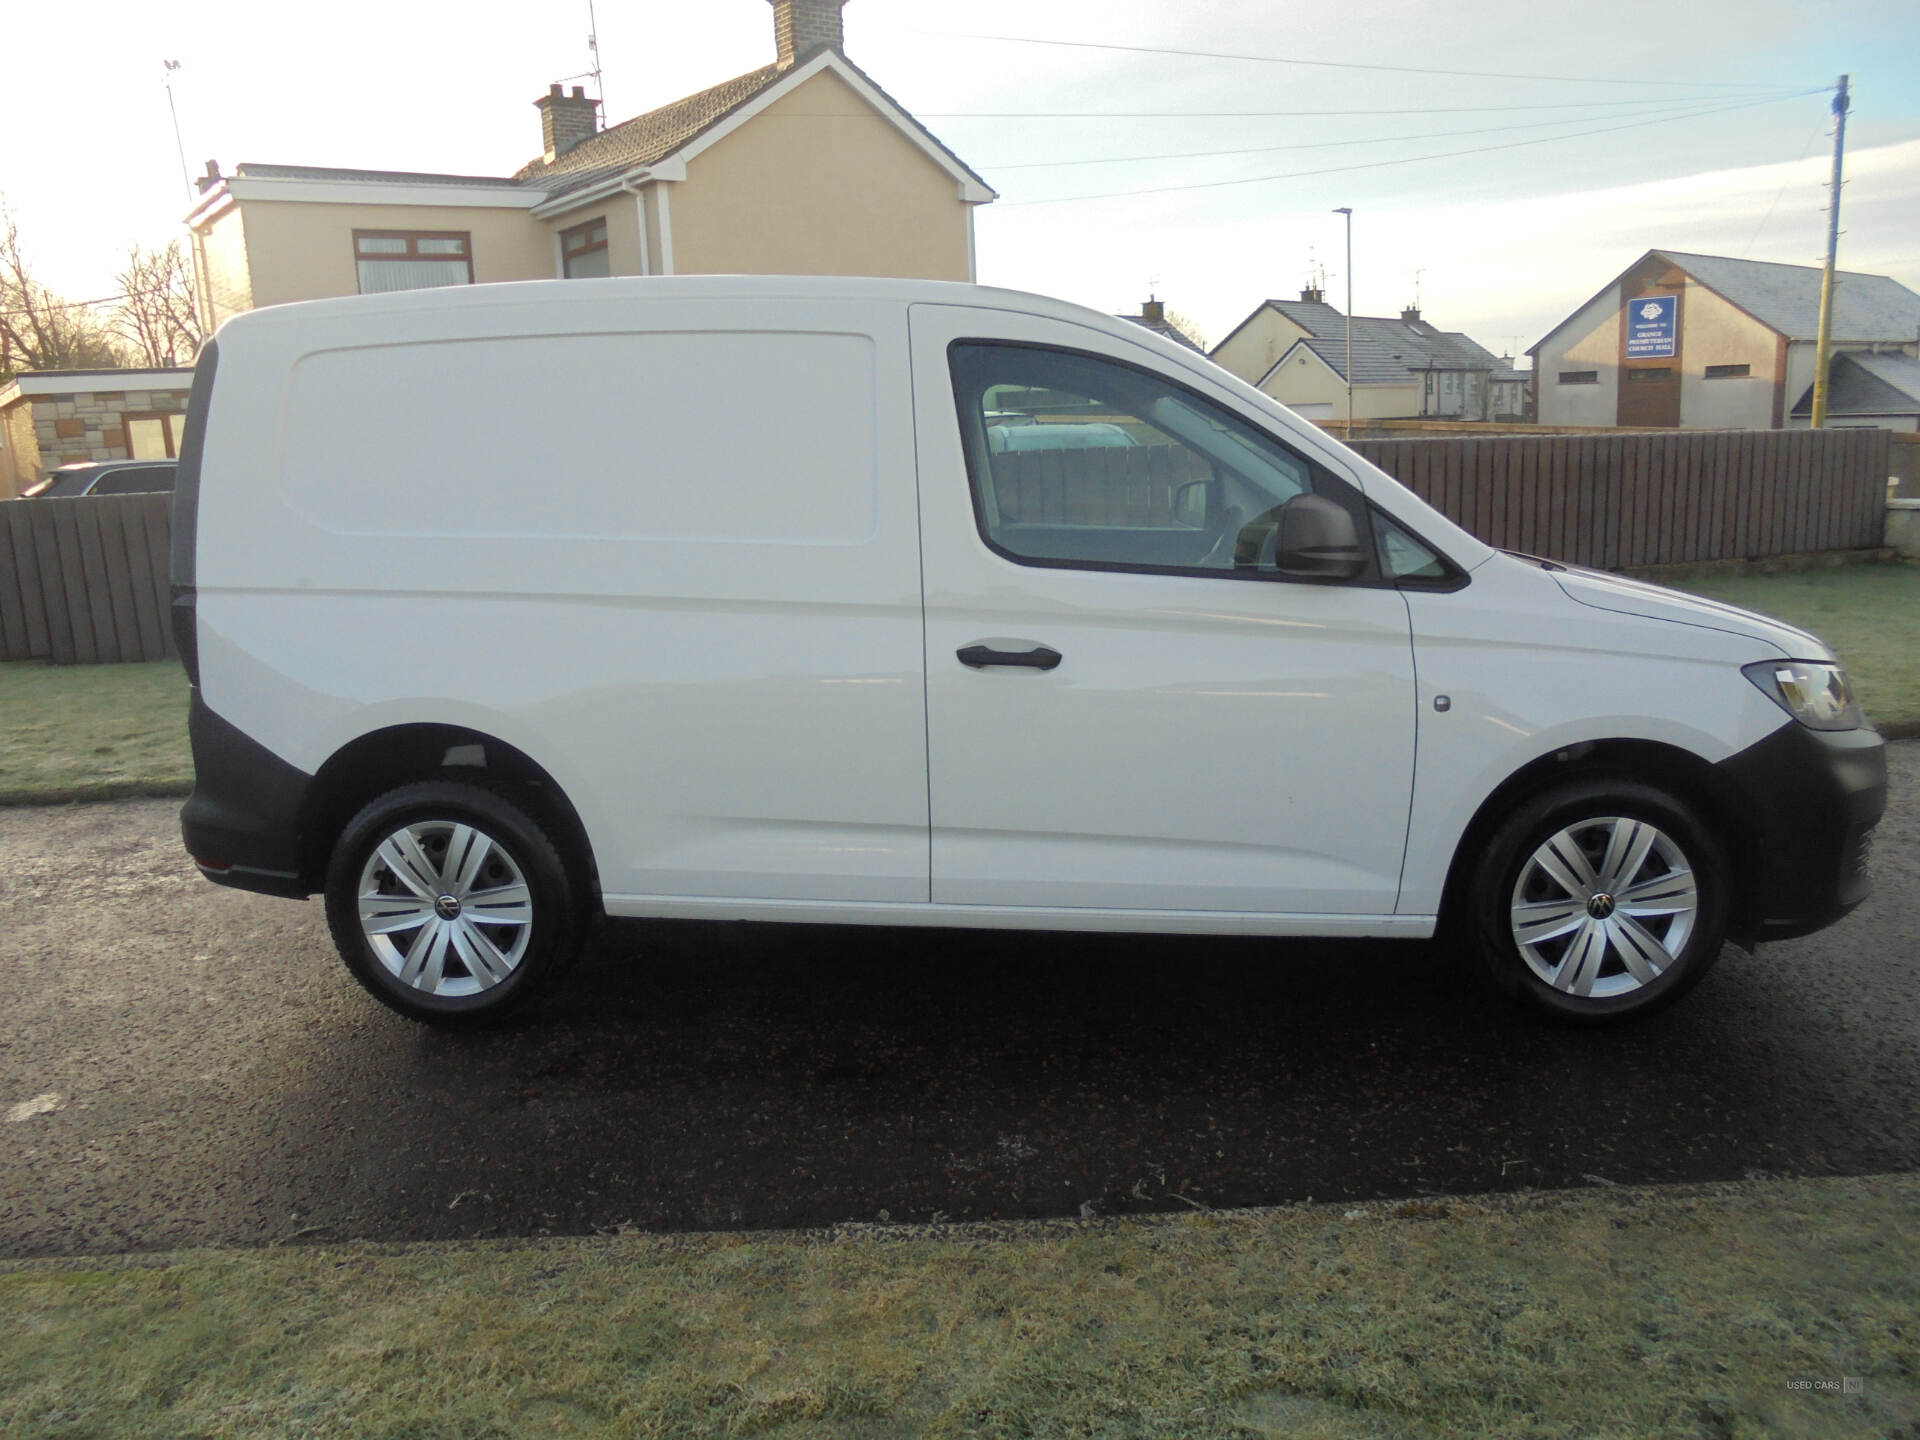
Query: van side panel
(666, 548)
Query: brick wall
(802, 26)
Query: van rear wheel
(450, 905)
(1601, 901)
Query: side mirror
(1317, 540)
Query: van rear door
(1124, 710)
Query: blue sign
(1652, 327)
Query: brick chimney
(1411, 314)
(801, 27)
(1154, 312)
(1313, 294)
(565, 120)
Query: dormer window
(583, 251)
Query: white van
(717, 598)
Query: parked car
(653, 641)
(105, 477)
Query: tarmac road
(187, 1065)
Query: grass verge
(1870, 614)
(92, 732)
(1622, 1312)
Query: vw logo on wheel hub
(1600, 906)
(447, 907)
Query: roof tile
(1787, 297)
(646, 138)
(1171, 332)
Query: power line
(1804, 152)
(1405, 160)
(1644, 100)
(1336, 64)
(1310, 144)
(82, 304)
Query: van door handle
(1040, 657)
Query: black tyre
(451, 905)
(1600, 901)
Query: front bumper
(1813, 798)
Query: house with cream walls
(782, 170)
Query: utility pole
(1347, 210)
(1833, 249)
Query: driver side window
(1085, 462)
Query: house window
(1579, 377)
(412, 260)
(153, 437)
(1728, 372)
(583, 251)
(1649, 374)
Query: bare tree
(156, 314)
(1186, 326)
(38, 330)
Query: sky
(1702, 143)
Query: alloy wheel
(445, 908)
(1604, 907)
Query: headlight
(1815, 694)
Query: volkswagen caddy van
(510, 606)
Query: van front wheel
(1601, 901)
(450, 905)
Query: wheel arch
(380, 760)
(1679, 772)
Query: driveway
(187, 1065)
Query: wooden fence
(1623, 501)
(1136, 485)
(86, 581)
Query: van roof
(512, 294)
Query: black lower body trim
(242, 822)
(1814, 797)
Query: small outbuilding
(50, 418)
(1866, 388)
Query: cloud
(1503, 270)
